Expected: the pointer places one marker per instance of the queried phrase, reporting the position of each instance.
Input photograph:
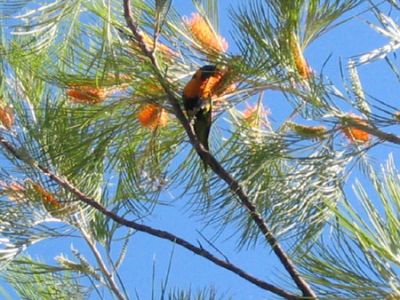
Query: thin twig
(144, 228)
(213, 246)
(113, 286)
(211, 161)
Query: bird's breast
(192, 89)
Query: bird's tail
(202, 129)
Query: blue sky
(188, 270)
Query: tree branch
(165, 235)
(211, 161)
(102, 265)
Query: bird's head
(206, 72)
(202, 82)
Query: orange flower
(254, 116)
(48, 199)
(152, 116)
(249, 112)
(86, 94)
(354, 134)
(301, 64)
(204, 34)
(6, 117)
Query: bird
(197, 100)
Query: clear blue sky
(188, 270)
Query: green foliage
(363, 260)
(77, 81)
(209, 294)
(34, 279)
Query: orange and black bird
(197, 100)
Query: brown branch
(211, 161)
(165, 235)
(245, 201)
(137, 33)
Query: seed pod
(308, 132)
(300, 62)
